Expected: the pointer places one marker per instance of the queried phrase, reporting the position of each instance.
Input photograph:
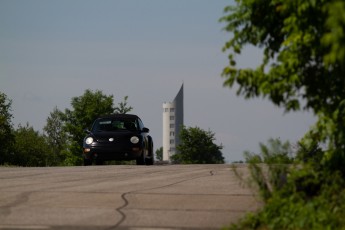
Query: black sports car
(118, 137)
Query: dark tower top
(178, 102)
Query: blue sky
(51, 51)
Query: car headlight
(89, 140)
(134, 139)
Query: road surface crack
(126, 201)
(119, 209)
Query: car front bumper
(110, 153)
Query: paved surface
(122, 197)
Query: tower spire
(172, 124)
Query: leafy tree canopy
(65, 131)
(54, 129)
(6, 135)
(197, 147)
(123, 108)
(31, 148)
(303, 45)
(85, 109)
(56, 135)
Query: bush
(197, 147)
(316, 203)
(31, 148)
(298, 195)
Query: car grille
(116, 140)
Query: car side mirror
(145, 130)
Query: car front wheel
(87, 162)
(150, 159)
(141, 160)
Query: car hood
(99, 136)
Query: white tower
(172, 123)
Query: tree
(303, 45)
(56, 135)
(123, 107)
(6, 134)
(303, 68)
(197, 147)
(31, 148)
(85, 109)
(159, 154)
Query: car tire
(87, 162)
(150, 160)
(99, 162)
(141, 160)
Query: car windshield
(114, 124)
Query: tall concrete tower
(172, 124)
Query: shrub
(297, 195)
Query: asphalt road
(122, 197)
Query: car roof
(130, 116)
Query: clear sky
(53, 50)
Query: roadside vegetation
(297, 190)
(159, 154)
(197, 147)
(303, 68)
(61, 142)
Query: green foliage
(159, 154)
(270, 168)
(64, 130)
(56, 136)
(309, 200)
(303, 45)
(123, 107)
(31, 148)
(297, 192)
(310, 152)
(197, 147)
(85, 109)
(325, 211)
(6, 134)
